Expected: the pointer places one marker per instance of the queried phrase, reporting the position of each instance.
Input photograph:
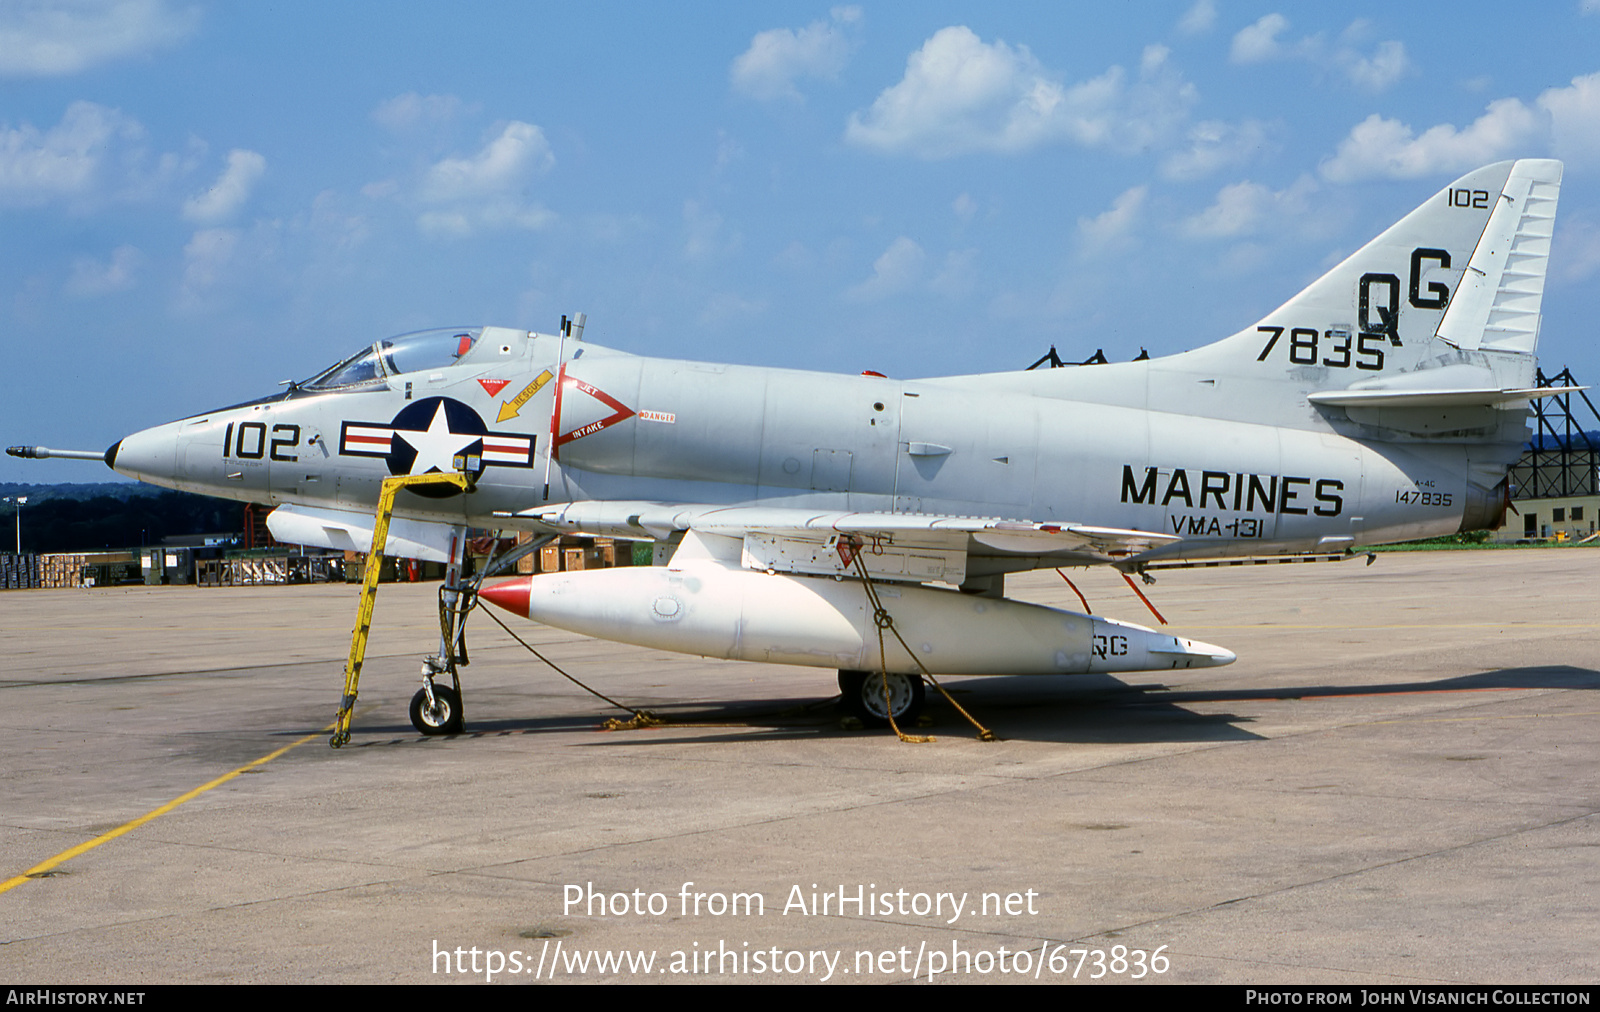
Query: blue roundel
(421, 416)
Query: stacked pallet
(18, 572)
(569, 554)
(70, 569)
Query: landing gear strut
(436, 709)
(862, 695)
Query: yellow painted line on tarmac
(158, 627)
(128, 827)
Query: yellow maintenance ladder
(369, 585)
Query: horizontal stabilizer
(1434, 398)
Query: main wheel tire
(444, 718)
(861, 693)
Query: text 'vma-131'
(1383, 403)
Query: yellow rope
(883, 620)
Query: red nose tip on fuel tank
(511, 595)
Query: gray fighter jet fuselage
(1164, 445)
(1383, 403)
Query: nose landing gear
(440, 715)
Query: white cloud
(411, 110)
(796, 257)
(1199, 19)
(64, 162)
(607, 229)
(779, 57)
(1154, 108)
(1247, 208)
(1261, 43)
(335, 231)
(45, 38)
(230, 191)
(964, 207)
(1387, 147)
(1258, 43)
(1113, 228)
(206, 257)
(1563, 122)
(1574, 113)
(1213, 146)
(1377, 72)
(729, 151)
(503, 165)
(94, 156)
(957, 276)
(499, 212)
(898, 269)
(706, 237)
(92, 278)
(463, 195)
(961, 95)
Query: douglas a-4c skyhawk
(797, 516)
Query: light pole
(18, 501)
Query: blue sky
(199, 200)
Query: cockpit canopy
(396, 356)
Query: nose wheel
(862, 695)
(443, 716)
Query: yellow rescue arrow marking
(510, 408)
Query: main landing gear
(862, 695)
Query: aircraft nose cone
(511, 595)
(150, 455)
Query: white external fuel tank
(713, 609)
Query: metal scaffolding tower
(1562, 457)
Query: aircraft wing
(895, 546)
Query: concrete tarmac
(1396, 784)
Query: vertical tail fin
(1463, 274)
